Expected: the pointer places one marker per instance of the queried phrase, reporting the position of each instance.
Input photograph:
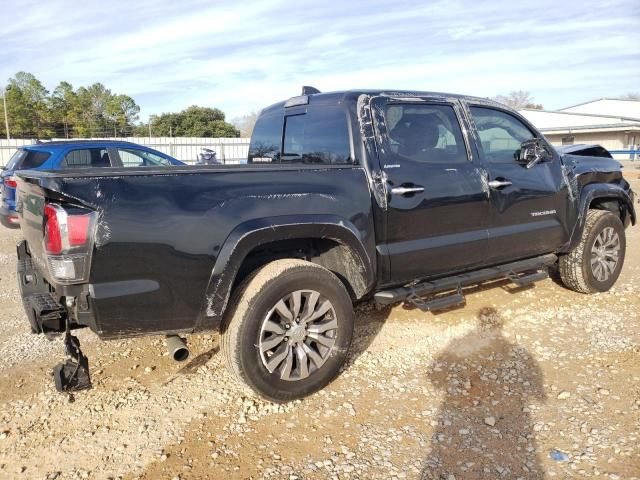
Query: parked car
(72, 154)
(389, 195)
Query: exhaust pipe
(177, 348)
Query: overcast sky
(241, 56)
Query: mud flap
(72, 375)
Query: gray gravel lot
(540, 383)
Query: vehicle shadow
(193, 365)
(554, 275)
(483, 427)
(369, 318)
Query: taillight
(10, 182)
(78, 226)
(52, 234)
(68, 242)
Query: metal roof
(550, 120)
(608, 106)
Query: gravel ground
(532, 384)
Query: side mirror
(532, 152)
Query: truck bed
(161, 232)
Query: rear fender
(249, 235)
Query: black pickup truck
(392, 195)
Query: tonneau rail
(176, 170)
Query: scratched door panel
(529, 217)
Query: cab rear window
(267, 138)
(318, 135)
(25, 159)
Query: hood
(584, 149)
(582, 164)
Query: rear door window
(25, 159)
(87, 157)
(320, 136)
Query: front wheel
(595, 263)
(288, 329)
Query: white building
(612, 123)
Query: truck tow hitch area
(69, 235)
(72, 375)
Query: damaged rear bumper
(50, 312)
(44, 303)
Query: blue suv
(72, 154)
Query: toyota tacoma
(394, 196)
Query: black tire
(575, 267)
(248, 308)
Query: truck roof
(333, 98)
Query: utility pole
(6, 115)
(149, 123)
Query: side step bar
(514, 271)
(439, 303)
(528, 278)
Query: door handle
(406, 190)
(499, 183)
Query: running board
(528, 278)
(514, 271)
(439, 303)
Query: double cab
(389, 195)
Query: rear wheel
(288, 329)
(595, 263)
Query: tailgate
(30, 201)
(59, 230)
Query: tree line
(32, 111)
(518, 99)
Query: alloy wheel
(605, 253)
(298, 334)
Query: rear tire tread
(241, 300)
